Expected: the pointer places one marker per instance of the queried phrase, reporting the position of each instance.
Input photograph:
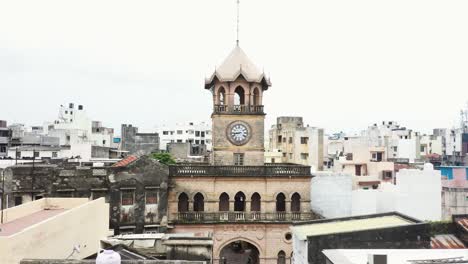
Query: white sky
(342, 65)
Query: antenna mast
(237, 39)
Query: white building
(190, 132)
(80, 136)
(297, 143)
(53, 228)
(416, 193)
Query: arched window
(183, 203)
(222, 96)
(281, 257)
(280, 203)
(198, 203)
(239, 202)
(255, 203)
(296, 202)
(224, 202)
(239, 98)
(256, 97)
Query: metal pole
(3, 193)
(32, 175)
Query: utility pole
(3, 193)
(33, 177)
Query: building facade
(298, 144)
(138, 143)
(247, 206)
(197, 134)
(135, 188)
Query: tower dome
(235, 65)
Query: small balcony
(238, 109)
(230, 217)
(271, 170)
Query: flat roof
(19, 224)
(349, 225)
(394, 256)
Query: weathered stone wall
(404, 237)
(69, 181)
(99, 152)
(138, 143)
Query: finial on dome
(237, 38)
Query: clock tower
(238, 117)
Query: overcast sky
(342, 65)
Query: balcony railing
(246, 171)
(238, 109)
(203, 217)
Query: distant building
(454, 191)
(391, 230)
(53, 228)
(138, 143)
(416, 193)
(72, 135)
(195, 133)
(298, 144)
(367, 162)
(5, 135)
(186, 152)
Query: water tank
(108, 257)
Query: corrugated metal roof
(125, 162)
(447, 241)
(316, 229)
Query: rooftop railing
(245, 171)
(238, 109)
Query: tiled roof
(448, 241)
(125, 162)
(462, 222)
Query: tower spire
(237, 39)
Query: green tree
(164, 158)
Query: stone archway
(239, 252)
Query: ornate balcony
(229, 217)
(238, 109)
(244, 171)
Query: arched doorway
(183, 203)
(255, 203)
(224, 202)
(198, 203)
(239, 202)
(281, 257)
(222, 96)
(256, 97)
(239, 252)
(280, 203)
(296, 202)
(239, 96)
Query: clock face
(238, 133)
